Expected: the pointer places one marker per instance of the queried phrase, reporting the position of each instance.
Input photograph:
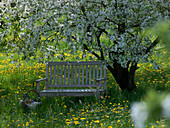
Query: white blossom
(139, 114)
(166, 106)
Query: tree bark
(125, 77)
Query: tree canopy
(112, 30)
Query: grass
(112, 111)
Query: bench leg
(38, 87)
(98, 91)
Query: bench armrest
(98, 80)
(38, 83)
(40, 80)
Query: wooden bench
(84, 78)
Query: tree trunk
(125, 77)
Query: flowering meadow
(18, 76)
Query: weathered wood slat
(54, 75)
(97, 71)
(75, 85)
(85, 75)
(65, 74)
(101, 73)
(61, 76)
(68, 82)
(50, 74)
(75, 77)
(79, 74)
(72, 68)
(93, 74)
(76, 63)
(82, 74)
(71, 92)
(47, 75)
(58, 68)
(90, 74)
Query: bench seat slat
(70, 92)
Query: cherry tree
(112, 30)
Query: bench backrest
(75, 74)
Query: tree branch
(155, 42)
(110, 20)
(95, 54)
(102, 30)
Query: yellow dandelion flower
(106, 116)
(67, 123)
(101, 124)
(96, 121)
(17, 92)
(27, 123)
(82, 118)
(31, 121)
(76, 122)
(75, 118)
(118, 121)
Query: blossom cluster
(80, 22)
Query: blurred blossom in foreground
(139, 114)
(166, 106)
(140, 111)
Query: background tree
(111, 30)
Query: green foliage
(153, 100)
(162, 29)
(114, 110)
